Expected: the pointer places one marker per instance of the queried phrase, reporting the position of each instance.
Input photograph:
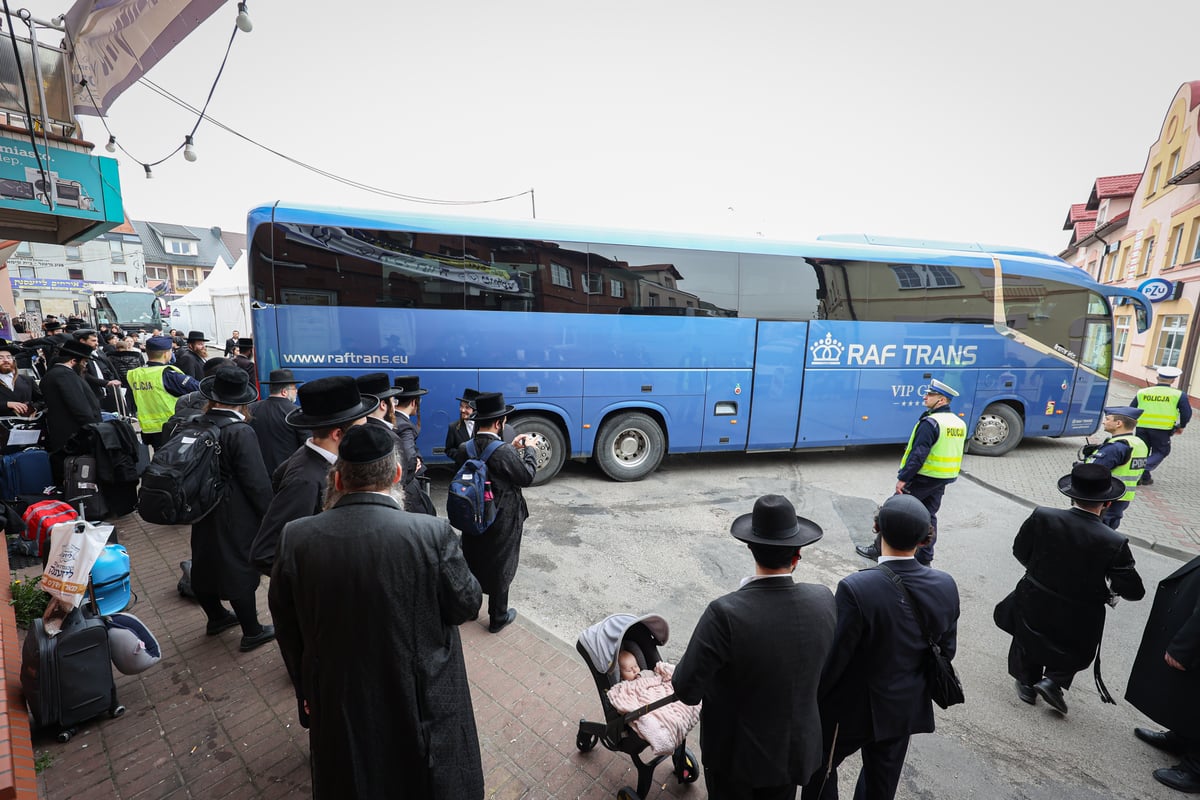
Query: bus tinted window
(875, 292)
(1052, 313)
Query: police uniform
(1125, 454)
(933, 459)
(155, 388)
(1165, 410)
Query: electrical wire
(12, 35)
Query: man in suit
(463, 430)
(17, 393)
(874, 695)
(277, 439)
(245, 360)
(329, 407)
(191, 357)
(1074, 564)
(70, 402)
(231, 346)
(1165, 681)
(100, 373)
(408, 426)
(366, 565)
(755, 660)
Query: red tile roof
(1078, 213)
(1118, 185)
(1083, 230)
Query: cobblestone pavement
(1164, 517)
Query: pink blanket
(664, 728)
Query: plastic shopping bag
(74, 548)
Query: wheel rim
(544, 453)
(991, 430)
(631, 447)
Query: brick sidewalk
(210, 722)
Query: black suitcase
(68, 678)
(83, 486)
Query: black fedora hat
(774, 522)
(197, 336)
(73, 348)
(490, 405)
(229, 385)
(327, 402)
(10, 347)
(245, 344)
(376, 383)
(468, 396)
(409, 386)
(281, 376)
(1092, 483)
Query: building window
(925, 276)
(1196, 244)
(204, 273)
(1110, 260)
(121, 278)
(560, 275)
(1176, 246)
(116, 251)
(187, 278)
(33, 308)
(27, 272)
(1153, 185)
(1170, 340)
(618, 289)
(157, 274)
(75, 274)
(593, 283)
(73, 253)
(1173, 170)
(1147, 255)
(181, 247)
(1123, 271)
(1122, 337)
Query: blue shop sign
(1156, 289)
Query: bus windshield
(622, 346)
(130, 309)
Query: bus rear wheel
(998, 430)
(629, 446)
(552, 453)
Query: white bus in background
(133, 308)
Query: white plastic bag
(74, 548)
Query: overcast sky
(948, 120)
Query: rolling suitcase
(26, 472)
(68, 679)
(82, 485)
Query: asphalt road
(593, 548)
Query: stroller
(599, 646)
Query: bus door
(778, 386)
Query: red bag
(41, 517)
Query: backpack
(184, 481)
(469, 505)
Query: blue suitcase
(110, 580)
(26, 472)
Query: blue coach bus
(625, 346)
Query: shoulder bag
(944, 687)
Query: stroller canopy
(603, 640)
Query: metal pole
(533, 202)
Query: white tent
(219, 305)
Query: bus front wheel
(629, 446)
(999, 430)
(552, 449)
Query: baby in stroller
(640, 709)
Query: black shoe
(1052, 694)
(499, 624)
(1145, 480)
(221, 624)
(250, 642)
(870, 551)
(1026, 693)
(1167, 741)
(1179, 778)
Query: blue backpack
(469, 506)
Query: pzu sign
(1156, 290)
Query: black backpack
(469, 505)
(184, 481)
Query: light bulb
(245, 25)
(149, 174)
(189, 152)
(112, 144)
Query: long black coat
(277, 439)
(494, 555)
(755, 660)
(221, 541)
(366, 600)
(70, 404)
(457, 436)
(874, 684)
(24, 391)
(190, 362)
(1072, 558)
(1164, 694)
(299, 491)
(406, 450)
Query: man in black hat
(245, 359)
(100, 373)
(463, 430)
(268, 418)
(493, 557)
(874, 695)
(397, 708)
(778, 631)
(1074, 564)
(407, 421)
(17, 393)
(191, 357)
(329, 407)
(70, 402)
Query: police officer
(931, 462)
(1166, 412)
(1125, 454)
(155, 387)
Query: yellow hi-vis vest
(155, 404)
(1160, 407)
(945, 457)
(1134, 466)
